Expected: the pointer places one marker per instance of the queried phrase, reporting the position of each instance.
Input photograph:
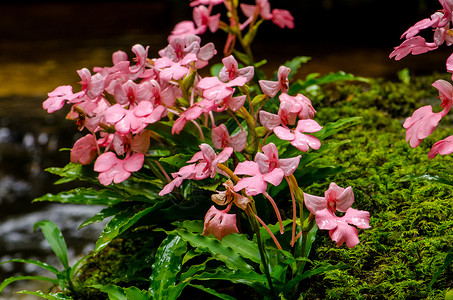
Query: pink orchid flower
(301, 141)
(141, 54)
(174, 70)
(221, 138)
(186, 172)
(339, 229)
(324, 208)
(422, 24)
(257, 182)
(84, 150)
(219, 223)
(262, 8)
(207, 161)
(230, 70)
(442, 147)
(132, 93)
(113, 169)
(269, 161)
(206, 166)
(214, 89)
(203, 19)
(58, 97)
(282, 18)
(415, 45)
(205, 2)
(335, 198)
(230, 196)
(271, 88)
(94, 85)
(134, 119)
(421, 124)
(445, 94)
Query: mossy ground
(411, 219)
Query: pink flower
(207, 161)
(94, 85)
(415, 45)
(229, 195)
(271, 88)
(292, 107)
(206, 166)
(301, 141)
(445, 94)
(335, 198)
(339, 229)
(113, 169)
(58, 97)
(174, 70)
(269, 161)
(423, 24)
(186, 172)
(282, 18)
(132, 93)
(324, 208)
(421, 124)
(219, 223)
(134, 119)
(222, 139)
(262, 8)
(205, 2)
(257, 183)
(203, 19)
(442, 147)
(84, 150)
(231, 70)
(214, 89)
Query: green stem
(256, 228)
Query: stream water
(45, 49)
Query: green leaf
(334, 127)
(16, 278)
(215, 69)
(213, 292)
(318, 270)
(87, 196)
(250, 278)
(50, 296)
(167, 265)
(119, 224)
(179, 160)
(314, 79)
(218, 249)
(238, 242)
(114, 292)
(404, 76)
(43, 265)
(447, 261)
(55, 239)
(72, 172)
(295, 64)
(134, 293)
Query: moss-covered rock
(411, 219)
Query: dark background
(354, 35)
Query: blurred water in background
(42, 45)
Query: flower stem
(253, 218)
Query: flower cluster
(121, 107)
(423, 121)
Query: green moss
(411, 220)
